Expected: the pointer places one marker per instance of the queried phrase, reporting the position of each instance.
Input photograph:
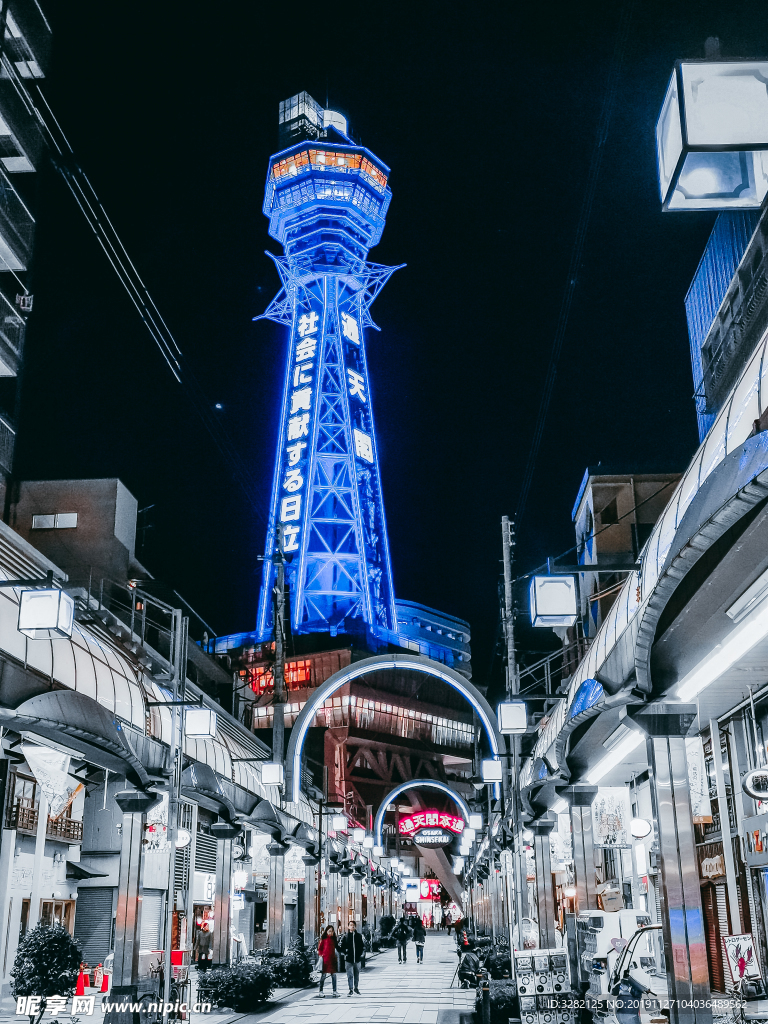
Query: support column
(681, 912)
(128, 919)
(544, 898)
(37, 868)
(725, 829)
(311, 881)
(581, 798)
(276, 907)
(222, 943)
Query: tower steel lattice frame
(326, 490)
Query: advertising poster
(611, 816)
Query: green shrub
(47, 964)
(243, 987)
(503, 1000)
(293, 968)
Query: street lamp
(358, 834)
(272, 774)
(513, 717)
(368, 843)
(46, 614)
(490, 770)
(200, 723)
(476, 821)
(712, 136)
(553, 601)
(378, 851)
(339, 823)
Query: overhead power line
(577, 253)
(64, 160)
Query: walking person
(401, 934)
(419, 938)
(328, 951)
(353, 948)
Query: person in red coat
(328, 951)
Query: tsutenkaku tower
(326, 199)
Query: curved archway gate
(415, 663)
(416, 784)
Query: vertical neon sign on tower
(326, 200)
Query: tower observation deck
(327, 199)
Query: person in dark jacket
(401, 933)
(419, 938)
(328, 951)
(353, 947)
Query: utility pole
(513, 688)
(507, 548)
(278, 729)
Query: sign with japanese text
(413, 823)
(698, 781)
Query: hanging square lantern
(272, 773)
(712, 136)
(513, 717)
(490, 769)
(553, 600)
(46, 614)
(200, 723)
(339, 823)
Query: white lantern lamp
(712, 136)
(46, 614)
(490, 770)
(378, 851)
(339, 823)
(553, 600)
(358, 834)
(272, 773)
(513, 717)
(368, 843)
(200, 723)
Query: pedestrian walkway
(391, 993)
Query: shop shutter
(724, 929)
(93, 923)
(712, 933)
(152, 919)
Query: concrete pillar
(581, 798)
(681, 912)
(7, 936)
(725, 826)
(222, 943)
(129, 898)
(275, 906)
(544, 897)
(311, 881)
(37, 869)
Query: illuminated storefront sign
(413, 824)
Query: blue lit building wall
(722, 255)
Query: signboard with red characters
(413, 823)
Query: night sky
(487, 115)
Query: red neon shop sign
(430, 819)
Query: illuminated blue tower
(326, 199)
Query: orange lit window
(290, 165)
(373, 171)
(334, 158)
(297, 673)
(260, 678)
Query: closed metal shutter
(93, 923)
(205, 853)
(152, 919)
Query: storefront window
(53, 912)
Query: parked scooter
(628, 985)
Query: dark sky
(487, 115)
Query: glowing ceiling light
(615, 756)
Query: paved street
(408, 993)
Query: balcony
(24, 819)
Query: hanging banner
(51, 769)
(156, 830)
(698, 781)
(611, 816)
